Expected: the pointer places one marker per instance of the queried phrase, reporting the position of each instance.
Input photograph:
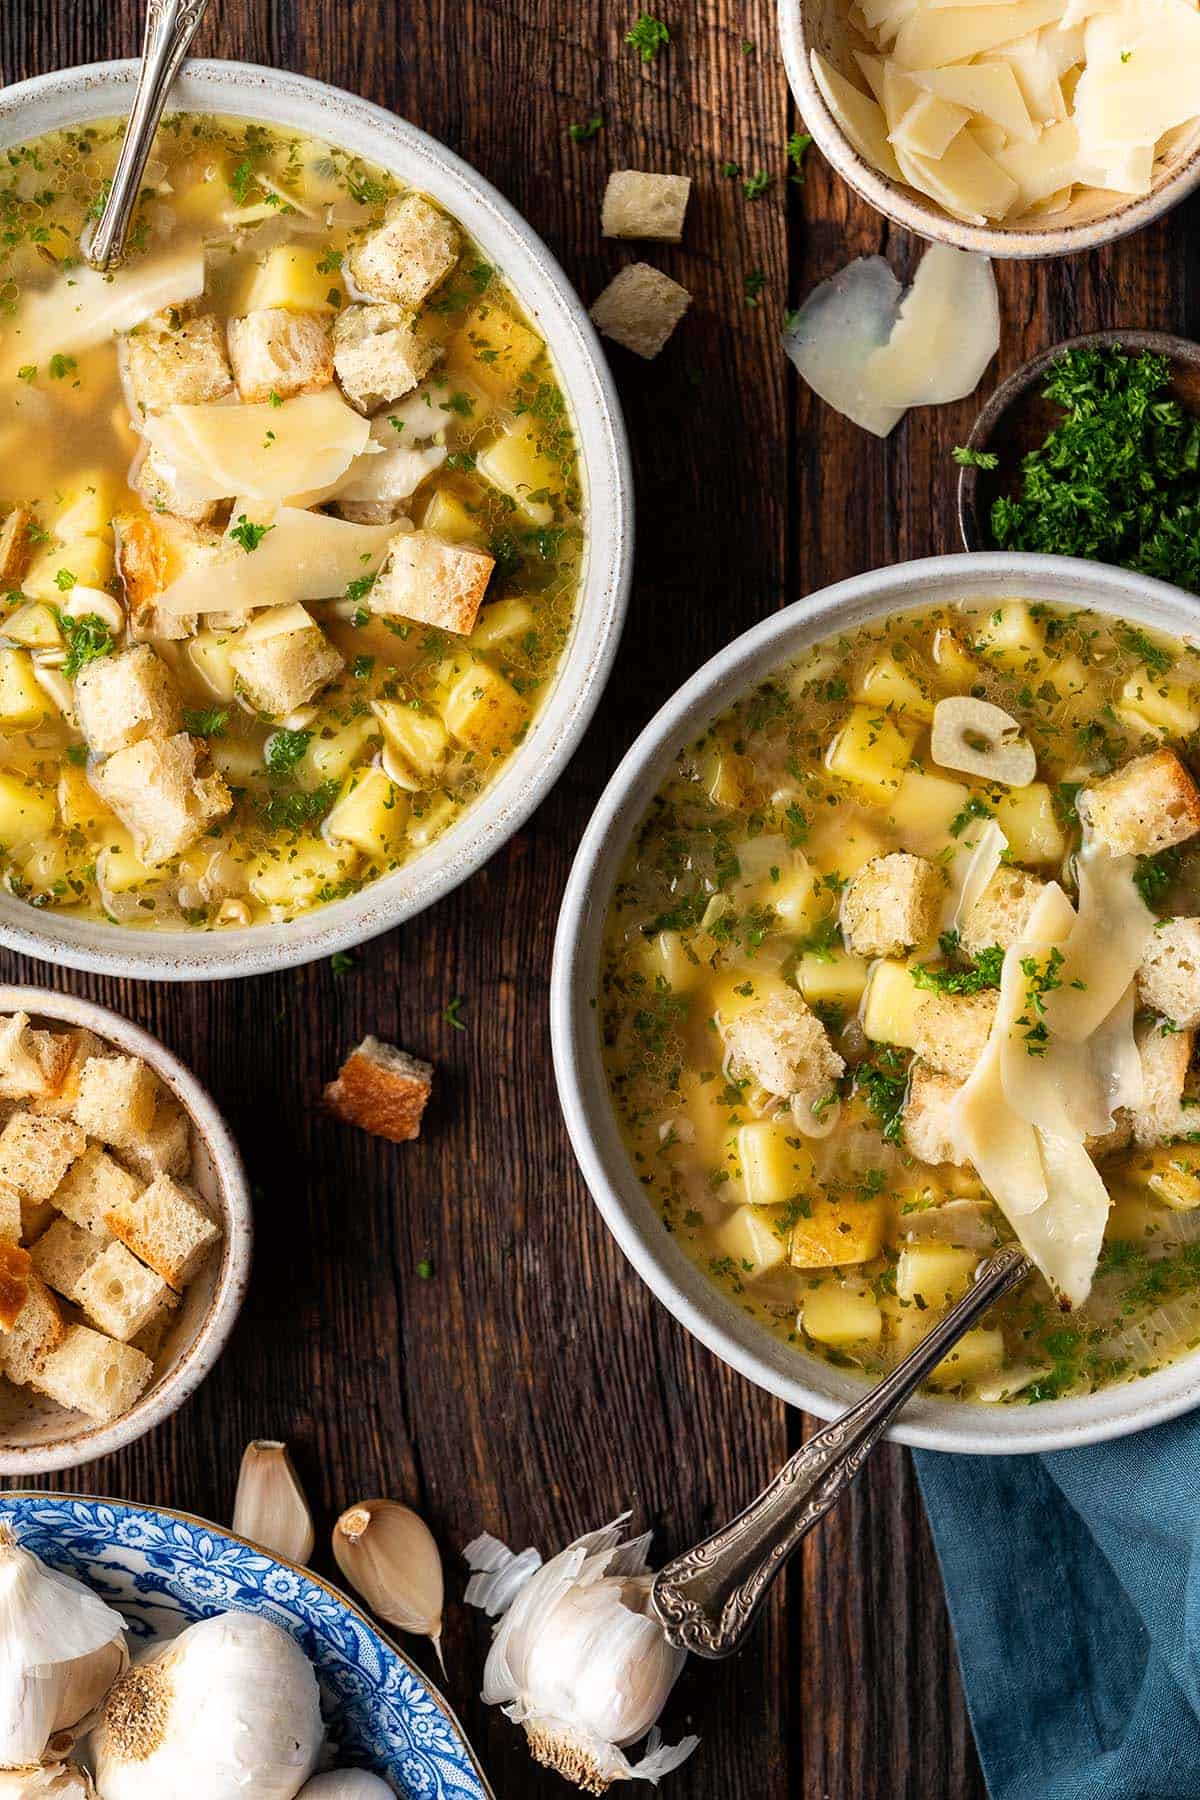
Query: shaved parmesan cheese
(1043, 168)
(1035, 76)
(929, 126)
(1063, 1238)
(1143, 73)
(857, 116)
(899, 94)
(930, 39)
(946, 334)
(966, 181)
(390, 477)
(302, 556)
(872, 68)
(840, 325)
(85, 307)
(1101, 956)
(988, 89)
(262, 451)
(971, 868)
(1002, 1148)
(1122, 168)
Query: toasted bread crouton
(163, 491)
(36, 1217)
(15, 545)
(12, 1228)
(120, 1294)
(783, 1046)
(1001, 913)
(407, 256)
(157, 792)
(151, 554)
(1168, 975)
(1167, 1110)
(172, 361)
(120, 699)
(34, 1334)
(90, 1373)
(97, 1184)
(33, 1064)
(640, 308)
(16, 1271)
(118, 1097)
(378, 355)
(280, 353)
(1148, 805)
(637, 205)
(381, 1090)
(892, 903)
(73, 1049)
(167, 1228)
(929, 1118)
(281, 660)
(951, 1030)
(435, 583)
(64, 1253)
(166, 1149)
(36, 1153)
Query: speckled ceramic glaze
(36, 1436)
(1092, 218)
(291, 101)
(807, 1381)
(164, 1570)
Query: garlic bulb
(389, 1556)
(229, 1708)
(61, 1649)
(347, 1784)
(577, 1657)
(269, 1507)
(51, 1781)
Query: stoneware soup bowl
(36, 1435)
(1093, 217)
(795, 1376)
(244, 90)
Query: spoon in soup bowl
(708, 1598)
(170, 27)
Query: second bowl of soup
(313, 538)
(882, 950)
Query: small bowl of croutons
(125, 1231)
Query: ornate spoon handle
(170, 27)
(708, 1598)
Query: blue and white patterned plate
(163, 1570)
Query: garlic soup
(903, 962)
(290, 528)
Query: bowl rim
(710, 1316)
(921, 216)
(51, 1495)
(212, 1333)
(249, 90)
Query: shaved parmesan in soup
(290, 528)
(904, 963)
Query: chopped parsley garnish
(824, 942)
(61, 366)
(87, 638)
(284, 750)
(292, 812)
(1157, 660)
(241, 180)
(1043, 978)
(975, 808)
(27, 372)
(341, 962)
(425, 1268)
(64, 581)
(883, 1084)
(730, 168)
(753, 286)
(1118, 480)
(1154, 875)
(647, 36)
(966, 458)
(755, 186)
(247, 534)
(797, 149)
(452, 1011)
(360, 587)
(206, 724)
(984, 974)
(580, 134)
(362, 668)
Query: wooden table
(532, 1386)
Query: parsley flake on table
(755, 186)
(451, 1013)
(341, 962)
(581, 134)
(797, 149)
(753, 286)
(648, 36)
(966, 458)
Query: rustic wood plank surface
(532, 1386)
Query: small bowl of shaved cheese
(1025, 128)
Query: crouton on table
(433, 582)
(1148, 805)
(638, 205)
(282, 353)
(382, 1090)
(640, 308)
(892, 903)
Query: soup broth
(793, 1087)
(222, 707)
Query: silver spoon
(708, 1598)
(170, 27)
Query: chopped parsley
(966, 458)
(1043, 978)
(341, 962)
(797, 148)
(61, 366)
(292, 812)
(648, 36)
(360, 587)
(1157, 660)
(87, 638)
(284, 750)
(451, 1013)
(206, 724)
(982, 975)
(580, 134)
(755, 186)
(753, 286)
(1154, 876)
(883, 1084)
(425, 1268)
(64, 581)
(975, 808)
(247, 534)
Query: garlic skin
(270, 1508)
(52, 1781)
(388, 1555)
(228, 1708)
(347, 1784)
(577, 1657)
(61, 1649)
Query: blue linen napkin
(1074, 1588)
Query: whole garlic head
(577, 1657)
(227, 1709)
(61, 1649)
(51, 1781)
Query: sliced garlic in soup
(974, 737)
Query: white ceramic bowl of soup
(244, 90)
(798, 1377)
(37, 1437)
(1094, 216)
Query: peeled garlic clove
(346, 1784)
(55, 1781)
(269, 1507)
(977, 738)
(388, 1555)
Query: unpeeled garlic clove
(388, 1555)
(269, 1507)
(976, 738)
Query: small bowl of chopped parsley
(1093, 450)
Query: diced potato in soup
(846, 979)
(290, 528)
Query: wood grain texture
(532, 1386)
